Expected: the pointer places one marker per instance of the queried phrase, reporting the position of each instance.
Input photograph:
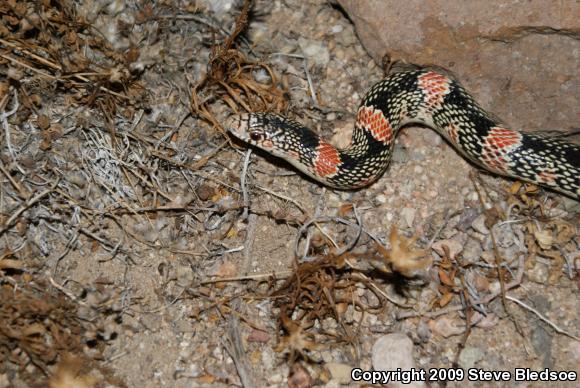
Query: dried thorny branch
(402, 257)
(231, 79)
(323, 288)
(83, 172)
(37, 325)
(50, 41)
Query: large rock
(520, 58)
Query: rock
(487, 321)
(502, 51)
(471, 251)
(400, 155)
(219, 7)
(423, 331)
(152, 322)
(573, 350)
(539, 273)
(466, 218)
(394, 351)
(481, 283)
(4, 380)
(331, 116)
(543, 342)
(381, 198)
(336, 29)
(262, 76)
(408, 215)
(268, 357)
(469, 356)
(184, 275)
(258, 336)
(542, 339)
(447, 327)
(315, 51)
(479, 225)
(339, 372)
(299, 377)
(454, 246)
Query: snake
(422, 96)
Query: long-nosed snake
(419, 96)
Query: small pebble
(408, 215)
(336, 28)
(479, 225)
(454, 246)
(394, 351)
(469, 356)
(315, 51)
(339, 372)
(262, 76)
(472, 251)
(381, 198)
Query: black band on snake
(418, 96)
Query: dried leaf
(445, 279)
(68, 375)
(11, 264)
(565, 231)
(206, 379)
(345, 209)
(402, 257)
(515, 187)
(297, 339)
(132, 55)
(453, 247)
(445, 299)
(544, 238)
(481, 283)
(556, 266)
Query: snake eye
(255, 136)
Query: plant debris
(231, 78)
(50, 39)
(323, 288)
(41, 329)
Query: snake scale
(423, 96)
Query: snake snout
(237, 124)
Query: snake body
(421, 96)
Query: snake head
(261, 130)
(279, 136)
